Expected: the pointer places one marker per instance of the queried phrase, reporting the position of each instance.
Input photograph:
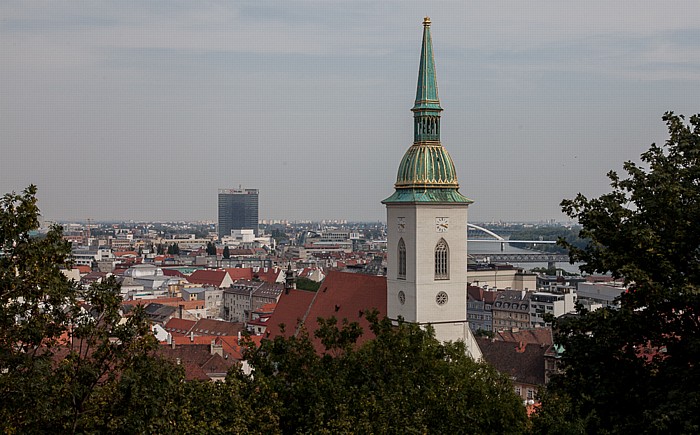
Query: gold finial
(426, 21)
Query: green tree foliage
(307, 284)
(566, 235)
(227, 252)
(173, 249)
(404, 381)
(211, 248)
(67, 362)
(636, 369)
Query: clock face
(442, 224)
(401, 224)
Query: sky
(141, 110)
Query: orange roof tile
(240, 273)
(342, 295)
(207, 277)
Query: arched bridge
(520, 257)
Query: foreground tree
(67, 361)
(636, 369)
(403, 381)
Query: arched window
(402, 259)
(442, 260)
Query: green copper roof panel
(427, 195)
(426, 165)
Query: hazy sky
(142, 110)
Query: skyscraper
(238, 209)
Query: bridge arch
(489, 232)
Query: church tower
(427, 224)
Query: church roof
(426, 172)
(341, 295)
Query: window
(442, 256)
(530, 394)
(402, 259)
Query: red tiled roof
(240, 273)
(84, 269)
(268, 274)
(267, 308)
(163, 301)
(291, 308)
(171, 302)
(528, 336)
(207, 277)
(173, 272)
(126, 253)
(524, 363)
(197, 360)
(217, 327)
(479, 294)
(179, 326)
(342, 295)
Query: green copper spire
(426, 172)
(426, 111)
(427, 92)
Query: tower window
(442, 257)
(402, 259)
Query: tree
(174, 249)
(68, 363)
(403, 381)
(637, 368)
(570, 236)
(227, 253)
(307, 284)
(211, 248)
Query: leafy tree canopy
(307, 284)
(567, 235)
(636, 369)
(404, 381)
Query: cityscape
(255, 303)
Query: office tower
(238, 209)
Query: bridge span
(550, 259)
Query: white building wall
(420, 287)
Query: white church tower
(427, 224)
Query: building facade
(511, 310)
(557, 304)
(427, 224)
(238, 209)
(480, 308)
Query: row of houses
(498, 310)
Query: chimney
(191, 336)
(239, 337)
(180, 308)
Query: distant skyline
(122, 110)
